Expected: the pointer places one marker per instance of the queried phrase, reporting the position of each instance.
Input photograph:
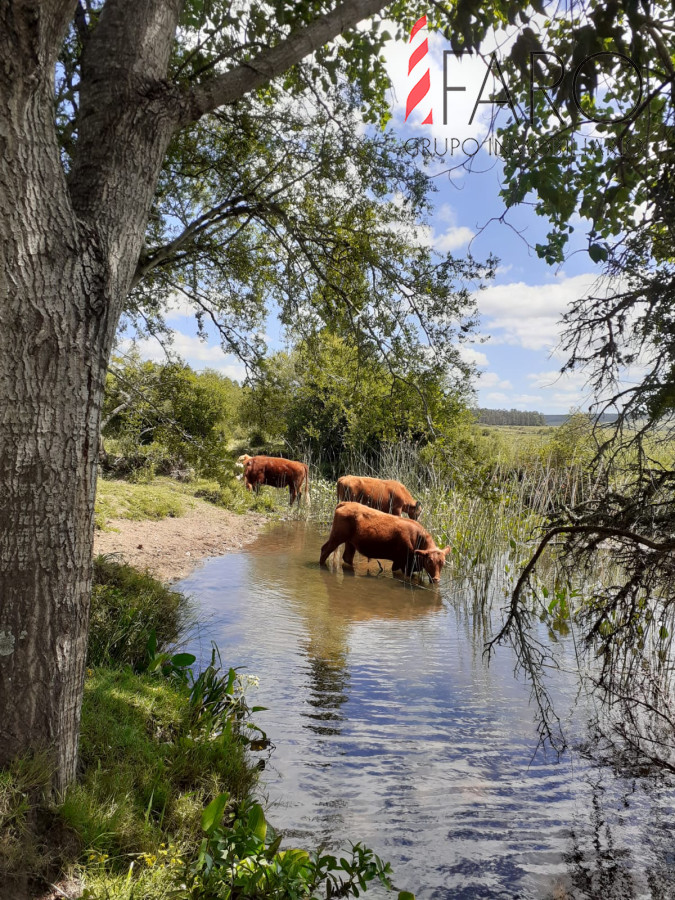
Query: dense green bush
(126, 607)
(167, 419)
(331, 402)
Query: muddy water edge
(391, 728)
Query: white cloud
(515, 401)
(178, 307)
(492, 380)
(454, 236)
(528, 315)
(569, 381)
(234, 370)
(503, 270)
(452, 239)
(473, 356)
(197, 353)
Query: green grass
(24, 846)
(147, 779)
(234, 496)
(161, 497)
(151, 759)
(126, 605)
(117, 499)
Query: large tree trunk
(56, 328)
(69, 248)
(54, 342)
(68, 251)
(48, 438)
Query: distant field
(519, 429)
(532, 435)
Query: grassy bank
(159, 497)
(164, 805)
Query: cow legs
(292, 492)
(348, 555)
(330, 545)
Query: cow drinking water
(379, 535)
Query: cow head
(242, 460)
(414, 511)
(433, 561)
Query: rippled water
(391, 728)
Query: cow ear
(447, 551)
(422, 552)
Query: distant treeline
(509, 417)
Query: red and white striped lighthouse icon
(419, 47)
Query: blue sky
(515, 351)
(519, 357)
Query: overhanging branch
(249, 76)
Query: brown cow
(379, 493)
(277, 472)
(379, 535)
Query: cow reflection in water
(331, 607)
(334, 607)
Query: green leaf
(405, 895)
(274, 846)
(213, 814)
(183, 659)
(256, 822)
(598, 252)
(151, 646)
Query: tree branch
(601, 530)
(247, 77)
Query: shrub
(126, 607)
(146, 774)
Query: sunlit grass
(161, 497)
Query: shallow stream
(392, 729)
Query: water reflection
(391, 728)
(328, 691)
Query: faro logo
(418, 67)
(419, 47)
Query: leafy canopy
(331, 402)
(283, 202)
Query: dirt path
(171, 548)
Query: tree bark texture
(68, 250)
(69, 247)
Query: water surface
(391, 728)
